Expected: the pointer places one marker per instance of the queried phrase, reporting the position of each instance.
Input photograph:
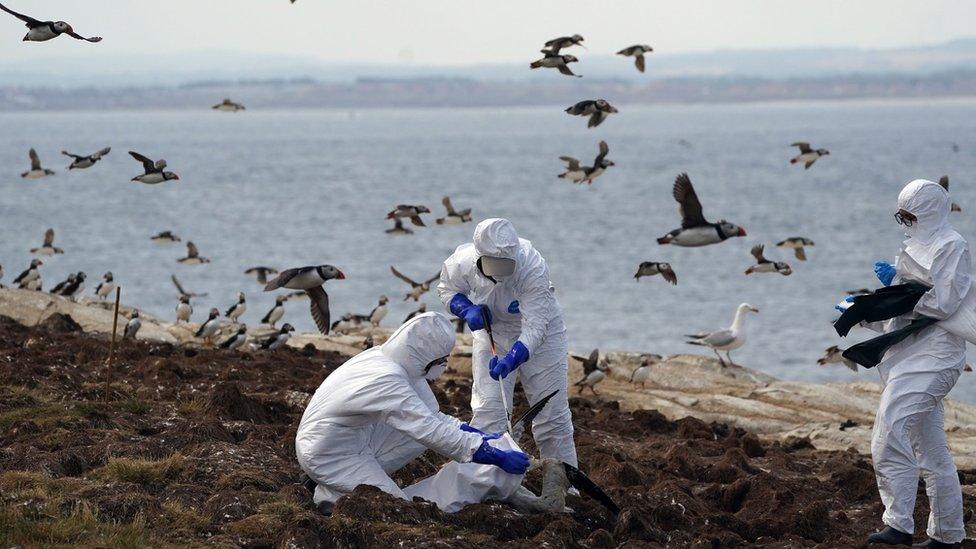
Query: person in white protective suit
(918, 372)
(501, 279)
(376, 413)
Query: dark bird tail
(535, 64)
(664, 240)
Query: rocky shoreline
(193, 446)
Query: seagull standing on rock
(695, 229)
(728, 339)
(311, 279)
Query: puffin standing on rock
(695, 229)
(36, 171)
(42, 31)
(210, 327)
(30, 274)
(183, 309)
(236, 310)
(106, 286)
(83, 162)
(279, 339)
(276, 312)
(310, 279)
(133, 326)
(154, 170)
(379, 312)
(237, 340)
(72, 290)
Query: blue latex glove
(473, 315)
(510, 461)
(486, 436)
(849, 299)
(513, 307)
(501, 367)
(885, 272)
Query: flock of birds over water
(308, 282)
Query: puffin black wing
(403, 277)
(320, 308)
(227, 342)
(35, 160)
(77, 36)
(639, 62)
(75, 156)
(583, 483)
(532, 412)
(147, 163)
(944, 181)
(757, 252)
(688, 203)
(284, 277)
(446, 201)
(804, 147)
(31, 22)
(604, 150)
(48, 237)
(590, 363)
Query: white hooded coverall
(376, 413)
(537, 323)
(918, 372)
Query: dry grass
(272, 518)
(183, 520)
(149, 473)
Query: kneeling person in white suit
(376, 413)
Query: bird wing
(226, 343)
(415, 219)
(564, 68)
(604, 150)
(283, 278)
(590, 364)
(102, 152)
(191, 250)
(572, 164)
(75, 156)
(668, 274)
(719, 338)
(757, 252)
(596, 119)
(944, 181)
(179, 287)
(77, 36)
(688, 203)
(267, 317)
(402, 276)
(431, 279)
(626, 51)
(147, 163)
(320, 308)
(31, 22)
(804, 147)
(800, 253)
(639, 61)
(48, 237)
(446, 201)
(35, 160)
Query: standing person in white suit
(919, 371)
(376, 413)
(502, 279)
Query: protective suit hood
(419, 341)
(496, 238)
(929, 203)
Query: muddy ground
(195, 447)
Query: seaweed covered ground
(191, 446)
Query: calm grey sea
(288, 188)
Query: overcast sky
(451, 32)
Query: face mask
(435, 369)
(496, 267)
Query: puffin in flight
(81, 162)
(597, 109)
(807, 155)
(41, 31)
(311, 279)
(36, 171)
(637, 52)
(695, 229)
(154, 170)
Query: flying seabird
(409, 211)
(35, 171)
(183, 309)
(420, 310)
(586, 174)
(557, 44)
(210, 327)
(192, 255)
(82, 162)
(944, 181)
(132, 327)
(834, 355)
(30, 274)
(106, 286)
(228, 106)
(237, 340)
(278, 339)
(236, 310)
(807, 155)
(637, 52)
(594, 371)
(165, 237)
(764, 265)
(651, 268)
(41, 31)
(597, 109)
(551, 60)
(154, 170)
(261, 273)
(276, 312)
(311, 280)
(48, 248)
(398, 228)
(453, 217)
(695, 229)
(417, 289)
(728, 339)
(796, 243)
(181, 291)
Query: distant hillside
(175, 69)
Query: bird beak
(755, 310)
(742, 232)
(176, 177)
(341, 276)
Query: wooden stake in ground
(111, 348)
